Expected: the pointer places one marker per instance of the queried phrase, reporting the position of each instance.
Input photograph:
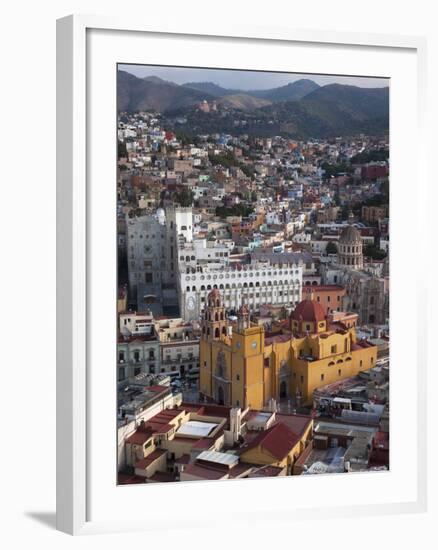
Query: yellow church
(242, 366)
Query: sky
(246, 80)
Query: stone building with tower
(242, 365)
(366, 293)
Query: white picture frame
(80, 497)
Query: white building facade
(256, 284)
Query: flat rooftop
(226, 459)
(196, 428)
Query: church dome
(308, 311)
(350, 235)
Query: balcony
(141, 361)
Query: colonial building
(274, 279)
(136, 354)
(367, 294)
(367, 291)
(179, 348)
(244, 366)
(152, 253)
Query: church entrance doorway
(283, 390)
(220, 395)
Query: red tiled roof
(267, 471)
(277, 338)
(277, 440)
(139, 437)
(204, 443)
(126, 479)
(297, 423)
(162, 476)
(147, 461)
(204, 472)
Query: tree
(331, 248)
(184, 197)
(235, 210)
(373, 252)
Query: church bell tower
(214, 323)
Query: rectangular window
(333, 349)
(237, 376)
(322, 377)
(339, 372)
(148, 277)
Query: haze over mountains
(300, 109)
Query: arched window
(216, 332)
(216, 317)
(331, 363)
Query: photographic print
(253, 274)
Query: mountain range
(300, 109)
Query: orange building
(241, 366)
(330, 297)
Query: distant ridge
(299, 109)
(290, 92)
(153, 93)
